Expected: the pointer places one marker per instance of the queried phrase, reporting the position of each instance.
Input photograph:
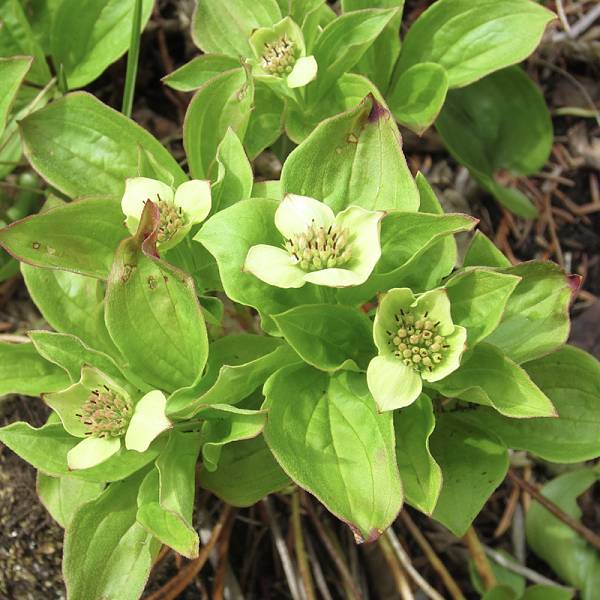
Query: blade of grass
(132, 59)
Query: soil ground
(567, 193)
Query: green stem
(132, 59)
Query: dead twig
(433, 558)
(408, 566)
(187, 574)
(402, 585)
(587, 534)
(479, 558)
(282, 550)
(299, 547)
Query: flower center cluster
(320, 248)
(417, 341)
(171, 220)
(279, 57)
(106, 414)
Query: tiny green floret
(106, 413)
(279, 57)
(320, 248)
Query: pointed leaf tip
(147, 233)
(378, 110)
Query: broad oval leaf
(471, 40)
(327, 435)
(154, 318)
(473, 462)
(82, 147)
(488, 377)
(354, 158)
(107, 553)
(223, 102)
(420, 474)
(328, 337)
(24, 371)
(224, 27)
(199, 70)
(418, 95)
(99, 32)
(571, 379)
(12, 72)
(247, 472)
(79, 236)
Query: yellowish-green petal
(303, 72)
(67, 404)
(148, 421)
(274, 266)
(437, 304)
(140, 189)
(91, 452)
(194, 198)
(392, 384)
(296, 213)
(390, 305)
(364, 227)
(457, 342)
(333, 277)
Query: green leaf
(546, 592)
(234, 176)
(46, 449)
(154, 317)
(536, 320)
(332, 441)
(246, 473)
(473, 462)
(18, 39)
(24, 371)
(478, 298)
(561, 547)
(166, 499)
(63, 496)
(421, 476)
(61, 143)
(236, 425)
(353, 159)
(571, 379)
(342, 43)
(223, 102)
(70, 353)
(198, 71)
(378, 61)
(410, 244)
(70, 303)
(497, 125)
(472, 40)
(489, 377)
(107, 553)
(328, 337)
(418, 95)
(12, 72)
(79, 236)
(99, 34)
(237, 365)
(483, 253)
(266, 120)
(504, 577)
(224, 27)
(229, 235)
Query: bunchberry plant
(374, 367)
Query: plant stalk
(132, 59)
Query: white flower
(179, 209)
(319, 247)
(417, 341)
(102, 413)
(280, 52)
